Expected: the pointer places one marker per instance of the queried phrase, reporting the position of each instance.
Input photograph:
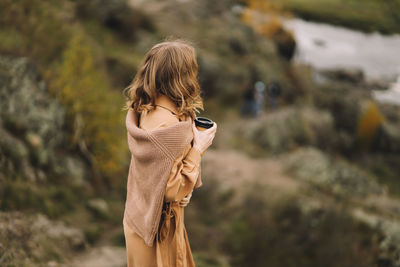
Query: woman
(166, 152)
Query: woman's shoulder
(158, 118)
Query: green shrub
(264, 229)
(93, 232)
(331, 174)
(37, 29)
(281, 234)
(94, 111)
(116, 15)
(369, 16)
(288, 128)
(51, 200)
(74, 66)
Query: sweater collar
(132, 120)
(166, 102)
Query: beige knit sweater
(153, 155)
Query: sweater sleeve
(185, 172)
(184, 176)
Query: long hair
(169, 68)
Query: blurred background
(305, 166)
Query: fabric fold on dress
(172, 235)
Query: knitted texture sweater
(152, 156)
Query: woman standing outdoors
(166, 150)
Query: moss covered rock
(32, 240)
(288, 128)
(32, 127)
(331, 174)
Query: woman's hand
(185, 200)
(203, 139)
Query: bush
(368, 125)
(51, 200)
(37, 29)
(280, 234)
(263, 229)
(327, 173)
(94, 112)
(116, 15)
(288, 128)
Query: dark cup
(203, 123)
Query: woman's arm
(184, 175)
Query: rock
(75, 168)
(351, 75)
(388, 138)
(377, 84)
(14, 156)
(29, 113)
(32, 131)
(287, 128)
(117, 15)
(345, 103)
(25, 104)
(31, 240)
(389, 96)
(33, 139)
(73, 237)
(11, 146)
(285, 43)
(99, 207)
(106, 256)
(335, 175)
(389, 245)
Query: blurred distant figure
(259, 97)
(249, 102)
(274, 91)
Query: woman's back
(172, 246)
(165, 162)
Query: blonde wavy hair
(169, 68)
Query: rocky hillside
(316, 179)
(35, 153)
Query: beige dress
(171, 246)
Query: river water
(325, 46)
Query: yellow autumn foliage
(271, 28)
(94, 111)
(263, 17)
(368, 124)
